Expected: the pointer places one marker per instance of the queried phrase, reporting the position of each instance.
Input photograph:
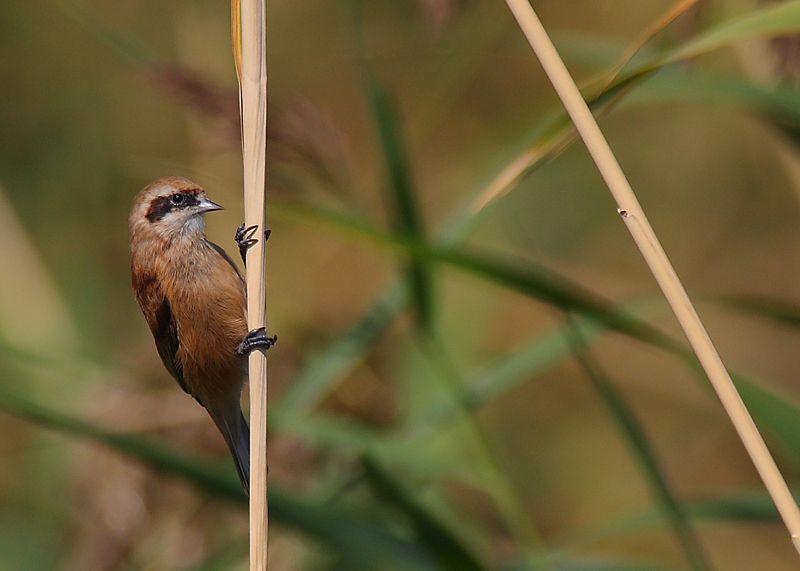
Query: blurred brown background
(458, 404)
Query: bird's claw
(245, 240)
(256, 339)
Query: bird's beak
(209, 206)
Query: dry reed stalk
(645, 238)
(249, 46)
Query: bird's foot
(256, 339)
(245, 240)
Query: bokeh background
(475, 370)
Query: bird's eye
(178, 199)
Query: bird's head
(170, 208)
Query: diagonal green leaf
(765, 21)
(317, 377)
(525, 362)
(778, 102)
(551, 288)
(754, 506)
(774, 413)
(781, 311)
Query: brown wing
(158, 313)
(168, 342)
(219, 250)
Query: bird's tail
(234, 429)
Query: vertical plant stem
(250, 18)
(640, 446)
(648, 244)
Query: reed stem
(250, 21)
(632, 214)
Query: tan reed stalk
(636, 221)
(249, 46)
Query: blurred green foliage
(546, 415)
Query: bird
(193, 298)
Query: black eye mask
(163, 205)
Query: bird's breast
(208, 303)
